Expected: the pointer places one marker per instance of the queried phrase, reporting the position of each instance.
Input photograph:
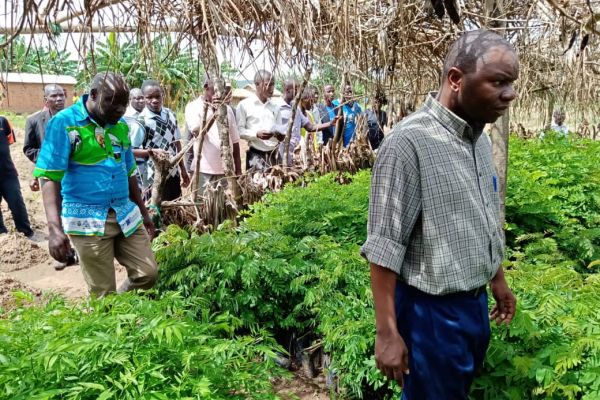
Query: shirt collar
(455, 124)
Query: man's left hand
(149, 225)
(506, 303)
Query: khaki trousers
(97, 254)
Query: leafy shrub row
(132, 347)
(294, 264)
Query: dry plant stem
(338, 126)
(177, 157)
(295, 105)
(197, 190)
(197, 175)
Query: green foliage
(22, 56)
(132, 347)
(177, 68)
(554, 190)
(294, 263)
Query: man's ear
(455, 77)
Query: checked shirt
(434, 205)
(161, 133)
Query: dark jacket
(376, 122)
(35, 130)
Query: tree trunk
(499, 135)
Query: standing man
(351, 110)
(35, 125)
(87, 155)
(256, 117)
(162, 134)
(136, 103)
(10, 189)
(211, 162)
(434, 235)
(327, 112)
(376, 120)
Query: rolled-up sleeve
(53, 159)
(394, 205)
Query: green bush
(132, 347)
(294, 264)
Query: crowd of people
(92, 151)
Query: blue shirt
(93, 165)
(350, 115)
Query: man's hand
(506, 303)
(34, 185)
(391, 356)
(59, 246)
(335, 120)
(149, 225)
(280, 136)
(264, 135)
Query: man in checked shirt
(434, 235)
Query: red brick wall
(26, 98)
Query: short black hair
(470, 47)
(150, 83)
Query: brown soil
(17, 252)
(8, 286)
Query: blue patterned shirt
(93, 165)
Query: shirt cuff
(384, 252)
(132, 170)
(52, 175)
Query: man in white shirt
(211, 163)
(256, 118)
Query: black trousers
(261, 159)
(10, 191)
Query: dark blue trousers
(447, 338)
(10, 191)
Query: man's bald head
(108, 98)
(469, 48)
(51, 88)
(54, 98)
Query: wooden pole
(499, 135)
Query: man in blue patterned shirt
(87, 156)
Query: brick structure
(24, 93)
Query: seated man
(87, 155)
